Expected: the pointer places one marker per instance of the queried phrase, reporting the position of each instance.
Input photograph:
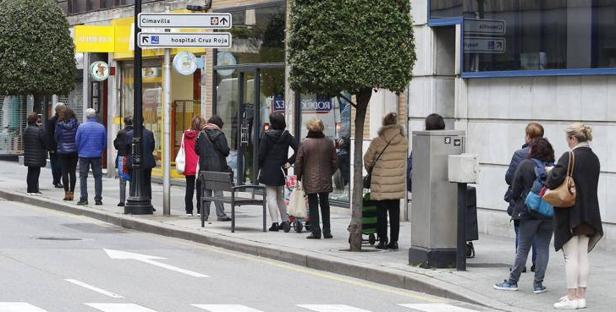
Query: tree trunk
(355, 228)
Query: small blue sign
(155, 40)
(279, 104)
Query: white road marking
(19, 307)
(331, 308)
(225, 308)
(124, 255)
(436, 307)
(119, 307)
(92, 288)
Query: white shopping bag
(180, 159)
(297, 202)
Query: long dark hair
(541, 149)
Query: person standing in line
(534, 229)
(54, 159)
(91, 141)
(273, 162)
(123, 144)
(35, 152)
(386, 158)
(191, 165)
(577, 228)
(149, 162)
(315, 165)
(534, 131)
(65, 133)
(213, 149)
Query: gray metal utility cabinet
(434, 207)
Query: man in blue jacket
(91, 142)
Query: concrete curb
(314, 260)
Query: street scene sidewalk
(494, 255)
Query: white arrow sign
(185, 40)
(124, 255)
(186, 20)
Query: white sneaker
(566, 304)
(582, 303)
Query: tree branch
(347, 99)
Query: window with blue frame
(534, 35)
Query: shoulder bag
(180, 159)
(564, 195)
(368, 178)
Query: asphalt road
(50, 261)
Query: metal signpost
(167, 40)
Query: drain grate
(51, 238)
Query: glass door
(248, 127)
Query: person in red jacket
(192, 162)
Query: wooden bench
(222, 181)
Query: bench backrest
(216, 181)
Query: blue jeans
(97, 171)
(516, 227)
(539, 234)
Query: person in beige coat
(388, 177)
(315, 165)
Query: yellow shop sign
(94, 38)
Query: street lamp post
(137, 202)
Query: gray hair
(90, 113)
(59, 107)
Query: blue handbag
(534, 199)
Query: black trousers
(191, 183)
(69, 168)
(33, 179)
(393, 207)
(147, 183)
(313, 213)
(56, 167)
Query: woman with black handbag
(385, 162)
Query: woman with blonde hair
(315, 165)
(578, 228)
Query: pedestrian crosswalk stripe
(18, 307)
(119, 307)
(436, 307)
(331, 308)
(225, 308)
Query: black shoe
(224, 219)
(285, 226)
(98, 203)
(274, 227)
(381, 245)
(59, 185)
(532, 268)
(121, 204)
(153, 209)
(314, 236)
(327, 236)
(82, 203)
(392, 245)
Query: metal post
(167, 132)
(86, 85)
(461, 244)
(138, 203)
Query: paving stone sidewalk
(491, 264)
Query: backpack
(534, 199)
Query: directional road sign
(186, 20)
(484, 26)
(185, 40)
(484, 45)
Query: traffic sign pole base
(138, 206)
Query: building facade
(243, 84)
(490, 67)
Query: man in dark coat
(35, 152)
(213, 149)
(148, 161)
(50, 127)
(123, 144)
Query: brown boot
(70, 196)
(66, 196)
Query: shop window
(533, 35)
(258, 34)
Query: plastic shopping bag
(297, 202)
(180, 159)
